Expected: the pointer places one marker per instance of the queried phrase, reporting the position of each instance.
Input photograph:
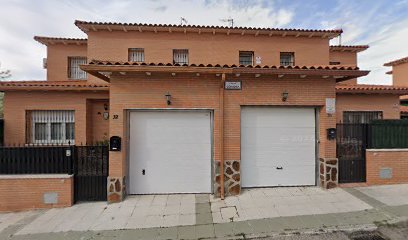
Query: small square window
(287, 59)
(180, 56)
(136, 55)
(246, 58)
(74, 71)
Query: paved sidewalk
(255, 213)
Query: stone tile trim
(116, 189)
(328, 171)
(232, 178)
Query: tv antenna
(229, 20)
(183, 20)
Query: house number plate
(232, 85)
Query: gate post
(328, 170)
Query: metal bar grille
(180, 56)
(74, 72)
(136, 54)
(246, 58)
(287, 59)
(361, 117)
(51, 127)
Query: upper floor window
(136, 54)
(74, 72)
(361, 116)
(180, 56)
(246, 58)
(334, 63)
(287, 58)
(51, 127)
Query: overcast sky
(382, 24)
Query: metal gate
(91, 173)
(352, 142)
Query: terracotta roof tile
(404, 109)
(63, 85)
(84, 26)
(121, 63)
(53, 40)
(401, 90)
(349, 48)
(396, 62)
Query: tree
(4, 74)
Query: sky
(382, 24)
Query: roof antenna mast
(229, 20)
(183, 20)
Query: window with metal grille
(361, 116)
(334, 63)
(136, 54)
(180, 56)
(51, 127)
(74, 72)
(246, 58)
(287, 59)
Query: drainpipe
(221, 120)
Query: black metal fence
(1, 132)
(89, 165)
(36, 159)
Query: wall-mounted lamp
(105, 106)
(168, 98)
(285, 96)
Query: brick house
(399, 74)
(197, 108)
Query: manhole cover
(366, 236)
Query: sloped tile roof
(404, 109)
(360, 88)
(122, 63)
(53, 40)
(348, 48)
(62, 85)
(87, 25)
(396, 62)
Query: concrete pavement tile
(242, 228)
(204, 218)
(260, 226)
(187, 219)
(168, 233)
(223, 230)
(186, 232)
(310, 221)
(205, 231)
(147, 233)
(329, 220)
(202, 198)
(275, 224)
(203, 207)
(291, 223)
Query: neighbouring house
(399, 74)
(361, 103)
(195, 109)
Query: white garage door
(170, 152)
(277, 146)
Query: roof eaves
(349, 48)
(396, 62)
(55, 40)
(86, 26)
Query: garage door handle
(279, 168)
(143, 172)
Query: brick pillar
(328, 170)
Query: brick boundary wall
(27, 192)
(387, 166)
